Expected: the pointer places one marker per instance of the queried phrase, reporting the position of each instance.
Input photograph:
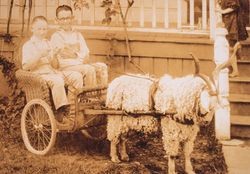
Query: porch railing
(152, 15)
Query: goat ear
(205, 101)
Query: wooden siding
(156, 55)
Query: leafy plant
(113, 8)
(79, 4)
(11, 106)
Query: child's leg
(101, 73)
(73, 78)
(234, 65)
(88, 72)
(74, 81)
(56, 84)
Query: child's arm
(70, 51)
(63, 50)
(84, 50)
(225, 11)
(31, 59)
(29, 62)
(230, 6)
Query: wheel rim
(38, 127)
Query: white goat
(190, 98)
(193, 105)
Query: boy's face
(64, 19)
(40, 28)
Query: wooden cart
(39, 127)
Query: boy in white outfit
(37, 57)
(74, 53)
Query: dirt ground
(73, 153)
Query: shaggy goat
(182, 96)
(193, 105)
(183, 104)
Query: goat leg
(171, 165)
(188, 148)
(113, 151)
(123, 149)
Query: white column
(166, 19)
(222, 113)
(212, 18)
(204, 14)
(179, 13)
(142, 13)
(153, 13)
(191, 14)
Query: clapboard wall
(155, 53)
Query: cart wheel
(38, 127)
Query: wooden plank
(121, 112)
(240, 131)
(175, 67)
(170, 49)
(206, 67)
(160, 67)
(98, 58)
(242, 98)
(240, 120)
(187, 67)
(116, 67)
(102, 112)
(130, 67)
(147, 64)
(153, 49)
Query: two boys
(68, 50)
(37, 57)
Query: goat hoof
(125, 158)
(115, 160)
(171, 172)
(190, 172)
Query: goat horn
(196, 63)
(210, 84)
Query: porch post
(222, 113)
(221, 55)
(166, 13)
(212, 20)
(92, 13)
(191, 13)
(142, 13)
(179, 13)
(204, 14)
(153, 13)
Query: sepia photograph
(124, 87)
